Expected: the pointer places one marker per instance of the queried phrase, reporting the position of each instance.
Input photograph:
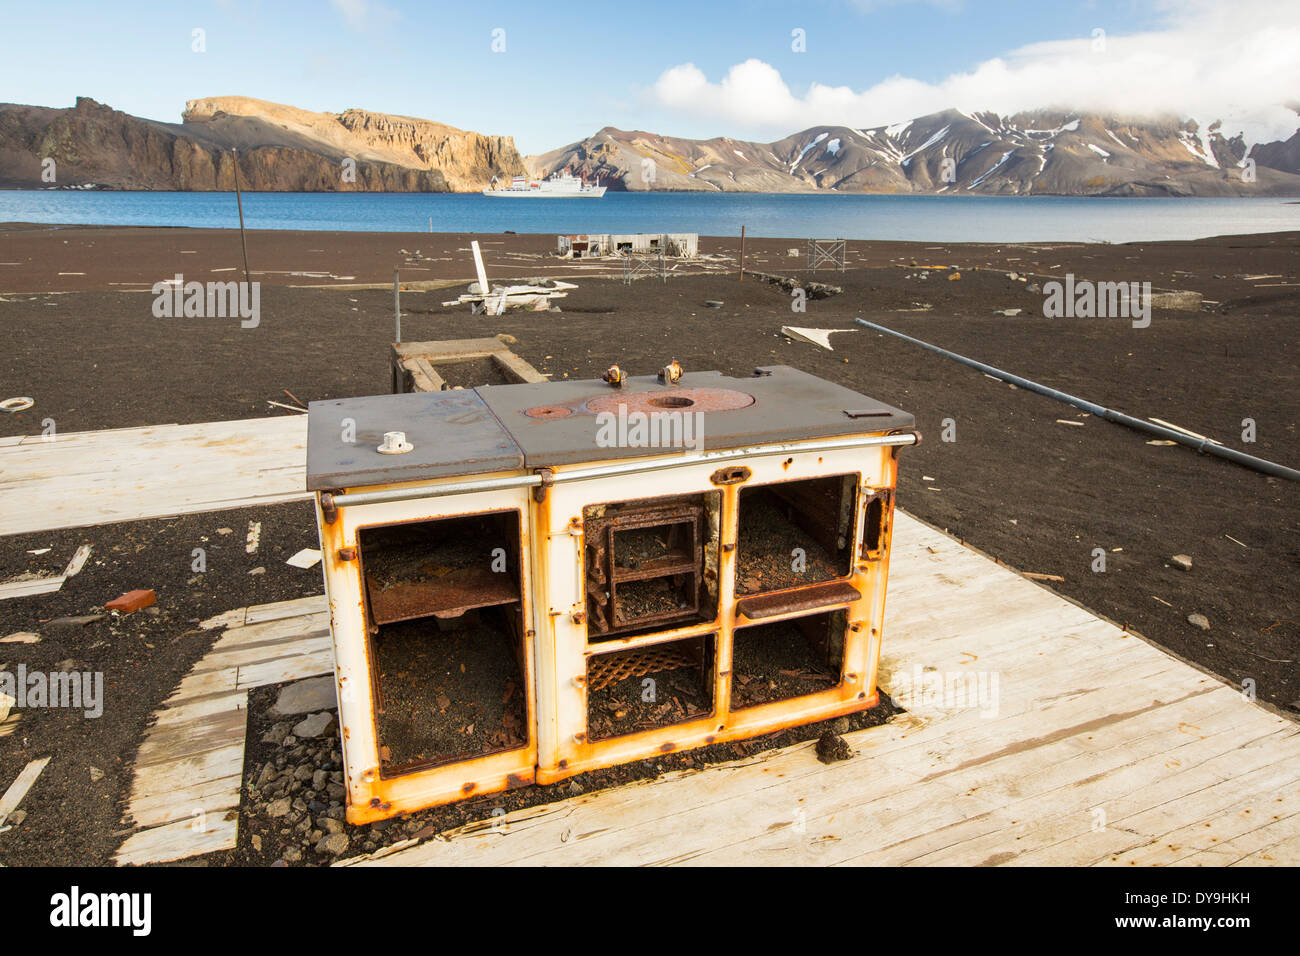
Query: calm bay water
(922, 218)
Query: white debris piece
(306, 558)
(820, 337)
(254, 536)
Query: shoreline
(38, 258)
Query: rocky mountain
(1038, 153)
(279, 148)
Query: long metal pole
(1201, 445)
(742, 253)
(397, 305)
(239, 201)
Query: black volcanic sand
(1036, 494)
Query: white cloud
(1236, 61)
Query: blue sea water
(916, 218)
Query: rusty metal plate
(808, 598)
(787, 405)
(454, 433)
(671, 399)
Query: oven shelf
(809, 598)
(449, 596)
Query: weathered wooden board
(91, 478)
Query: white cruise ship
(557, 187)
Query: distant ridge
(283, 148)
(1049, 152)
(280, 148)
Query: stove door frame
(371, 796)
(563, 746)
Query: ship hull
(593, 193)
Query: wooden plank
(89, 478)
(18, 789)
(210, 732)
(177, 841)
(196, 707)
(516, 368)
(206, 796)
(185, 771)
(283, 609)
(287, 668)
(31, 587)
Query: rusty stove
(531, 581)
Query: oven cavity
(446, 623)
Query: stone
(330, 825)
(292, 854)
(313, 726)
(1199, 620)
(278, 808)
(257, 842)
(841, 725)
(1182, 561)
(307, 696)
(319, 779)
(96, 775)
(333, 845)
(831, 747)
(17, 817)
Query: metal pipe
(1201, 445)
(619, 468)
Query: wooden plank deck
(1092, 748)
(90, 478)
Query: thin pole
(742, 252)
(239, 201)
(397, 305)
(1201, 445)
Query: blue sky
(684, 68)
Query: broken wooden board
(187, 780)
(126, 474)
(415, 364)
(18, 789)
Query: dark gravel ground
(1037, 494)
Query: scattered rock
(16, 817)
(292, 854)
(96, 775)
(257, 843)
(278, 808)
(313, 726)
(1181, 561)
(1199, 620)
(333, 845)
(307, 696)
(330, 825)
(80, 620)
(832, 747)
(842, 725)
